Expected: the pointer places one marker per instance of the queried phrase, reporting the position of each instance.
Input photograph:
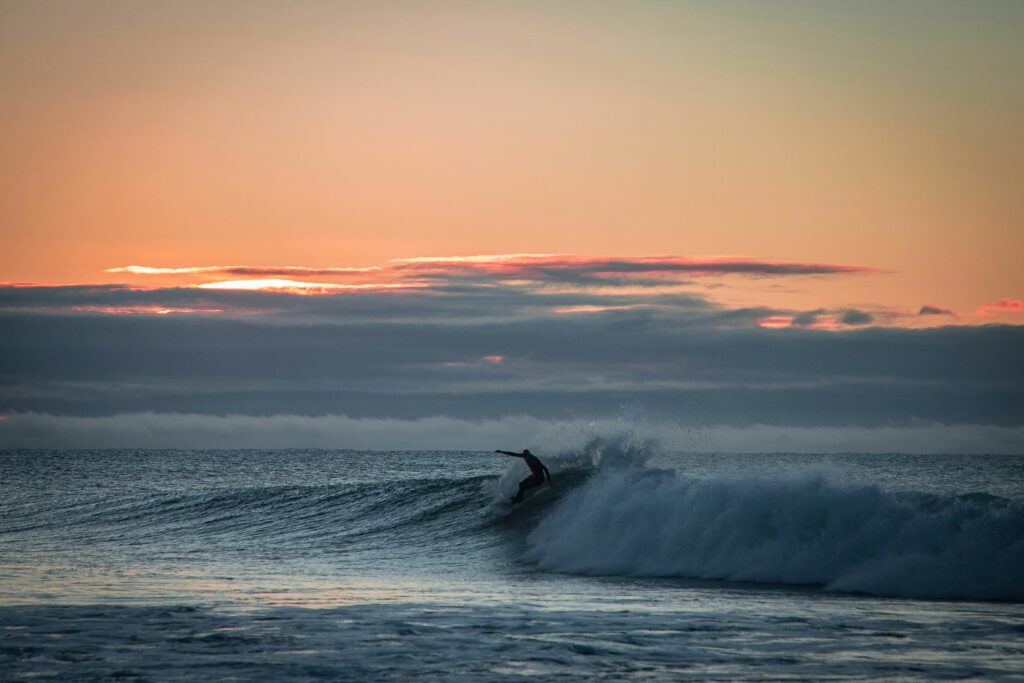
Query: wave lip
(806, 530)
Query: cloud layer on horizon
(695, 366)
(484, 338)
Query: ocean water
(636, 564)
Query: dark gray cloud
(421, 354)
(835, 405)
(651, 271)
(808, 318)
(935, 310)
(410, 353)
(854, 317)
(443, 300)
(563, 264)
(640, 344)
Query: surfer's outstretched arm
(517, 455)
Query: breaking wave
(609, 513)
(636, 521)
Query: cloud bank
(487, 339)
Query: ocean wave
(328, 515)
(800, 530)
(609, 512)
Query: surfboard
(505, 507)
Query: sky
(738, 225)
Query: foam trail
(806, 529)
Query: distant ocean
(636, 564)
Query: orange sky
(192, 134)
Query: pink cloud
(568, 310)
(775, 322)
(818, 319)
(1001, 306)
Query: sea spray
(618, 449)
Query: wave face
(391, 519)
(634, 521)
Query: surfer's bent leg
(528, 483)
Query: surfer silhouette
(537, 473)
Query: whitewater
(638, 562)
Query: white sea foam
(802, 528)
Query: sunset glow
(775, 322)
(548, 340)
(296, 287)
(569, 310)
(726, 212)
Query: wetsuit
(537, 473)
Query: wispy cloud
(145, 310)
(591, 308)
(498, 286)
(492, 258)
(575, 268)
(615, 272)
(242, 270)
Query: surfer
(537, 473)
